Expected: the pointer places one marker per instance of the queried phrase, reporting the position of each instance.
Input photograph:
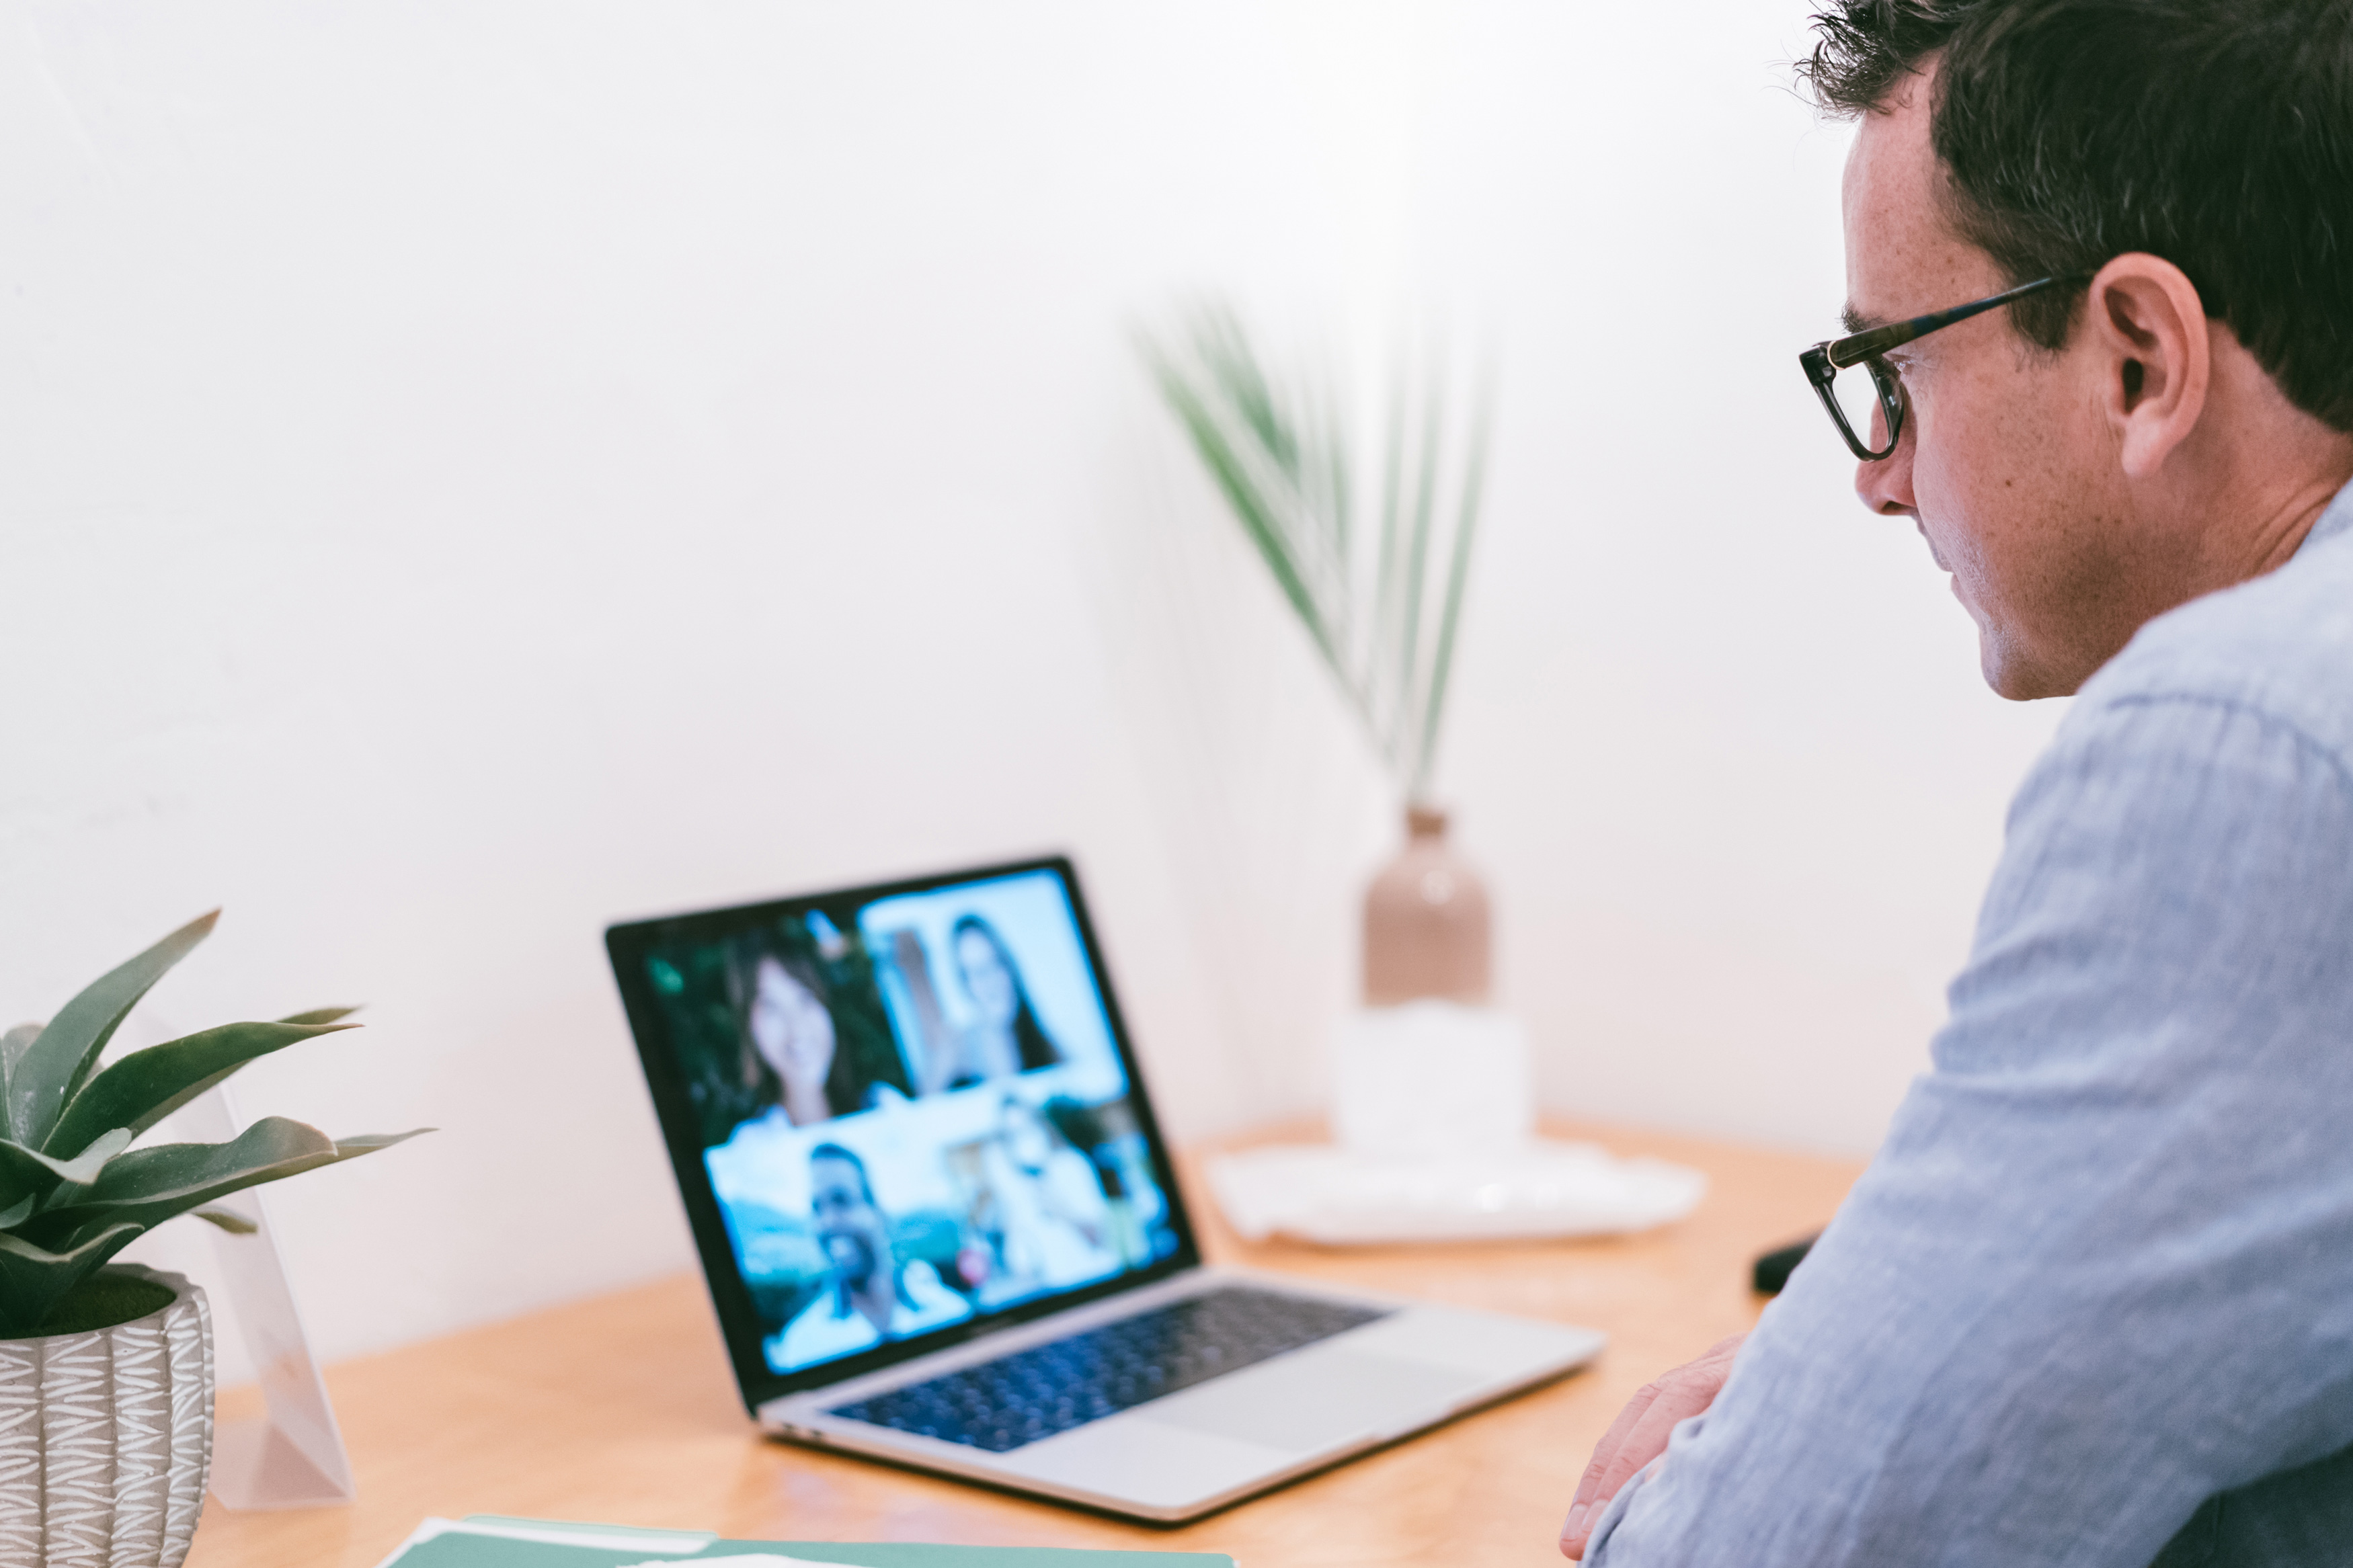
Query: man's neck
(2202, 540)
(2257, 475)
(875, 1299)
(2272, 528)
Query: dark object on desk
(1773, 1268)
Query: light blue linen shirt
(2102, 1269)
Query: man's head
(2169, 422)
(851, 1228)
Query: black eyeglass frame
(1825, 360)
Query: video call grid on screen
(899, 1113)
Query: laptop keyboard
(1002, 1404)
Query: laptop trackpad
(1314, 1399)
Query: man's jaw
(1952, 578)
(2000, 663)
(1933, 553)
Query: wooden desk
(622, 1409)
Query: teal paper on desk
(463, 1548)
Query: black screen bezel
(627, 945)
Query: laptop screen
(899, 1114)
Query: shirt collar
(2337, 518)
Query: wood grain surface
(622, 1409)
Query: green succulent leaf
(33, 1278)
(320, 1015)
(13, 1046)
(148, 1186)
(369, 1142)
(146, 1086)
(26, 1172)
(73, 1193)
(54, 1066)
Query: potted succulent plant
(106, 1370)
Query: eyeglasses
(1853, 401)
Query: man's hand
(1640, 1435)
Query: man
(868, 1297)
(2092, 1303)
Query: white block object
(1434, 1121)
(1431, 1077)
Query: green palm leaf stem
(1382, 612)
(73, 1193)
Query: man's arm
(2103, 1267)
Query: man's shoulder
(2280, 645)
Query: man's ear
(2150, 333)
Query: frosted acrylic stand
(293, 1457)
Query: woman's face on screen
(790, 1027)
(987, 980)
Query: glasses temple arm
(1845, 352)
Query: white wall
(472, 471)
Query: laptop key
(1004, 1405)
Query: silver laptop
(941, 1228)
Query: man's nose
(1885, 485)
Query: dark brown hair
(2215, 134)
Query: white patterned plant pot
(106, 1437)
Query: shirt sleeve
(2102, 1266)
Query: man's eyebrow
(1856, 321)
